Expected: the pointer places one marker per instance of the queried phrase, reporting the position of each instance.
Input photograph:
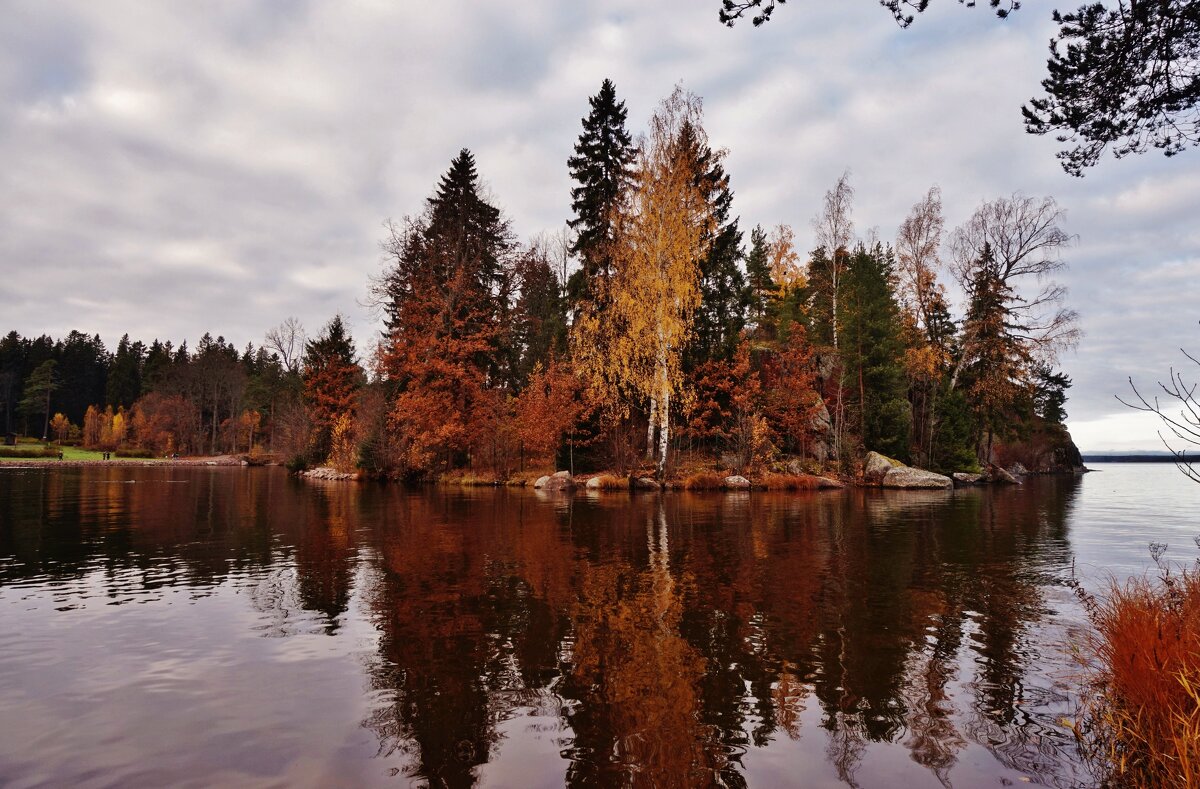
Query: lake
(223, 626)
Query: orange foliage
(791, 402)
(60, 426)
(343, 455)
(726, 408)
(548, 408)
(93, 425)
(164, 423)
(1144, 716)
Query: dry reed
(1141, 716)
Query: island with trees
(655, 337)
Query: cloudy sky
(171, 168)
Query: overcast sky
(171, 168)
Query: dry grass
(613, 482)
(789, 482)
(1142, 715)
(704, 480)
(468, 479)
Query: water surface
(199, 627)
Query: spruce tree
(332, 379)
(998, 366)
(449, 352)
(602, 168)
(721, 316)
(124, 374)
(762, 287)
(540, 321)
(872, 353)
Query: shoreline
(32, 463)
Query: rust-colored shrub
(1141, 720)
(704, 480)
(789, 482)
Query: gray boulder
(965, 478)
(889, 473)
(876, 467)
(909, 478)
(645, 483)
(737, 483)
(559, 480)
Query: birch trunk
(650, 428)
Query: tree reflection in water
(656, 640)
(673, 636)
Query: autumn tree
(548, 409)
(446, 296)
(791, 402)
(61, 427)
(602, 169)
(789, 304)
(633, 352)
(332, 378)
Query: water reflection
(724, 640)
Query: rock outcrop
(966, 478)
(645, 483)
(1046, 449)
(997, 475)
(888, 473)
(824, 442)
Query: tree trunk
(46, 428)
(834, 316)
(664, 434)
(650, 425)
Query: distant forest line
(652, 332)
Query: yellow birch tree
(631, 354)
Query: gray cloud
(173, 168)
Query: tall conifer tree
(446, 297)
(602, 168)
(872, 352)
(721, 315)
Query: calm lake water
(236, 627)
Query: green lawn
(69, 453)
